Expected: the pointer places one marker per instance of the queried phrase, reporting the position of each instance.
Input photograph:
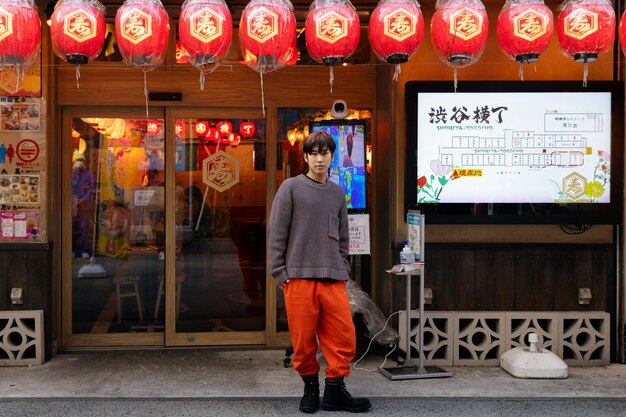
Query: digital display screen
(515, 152)
(514, 147)
(348, 168)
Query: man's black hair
(319, 141)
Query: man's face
(79, 165)
(319, 161)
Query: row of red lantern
(459, 31)
(223, 128)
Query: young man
(308, 250)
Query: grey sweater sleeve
(278, 234)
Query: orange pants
(322, 309)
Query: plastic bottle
(407, 256)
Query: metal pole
(422, 322)
(408, 321)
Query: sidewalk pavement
(260, 374)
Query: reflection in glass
(117, 224)
(220, 226)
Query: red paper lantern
(153, 127)
(524, 29)
(266, 30)
(77, 30)
(20, 35)
(235, 139)
(213, 135)
(585, 28)
(179, 128)
(205, 30)
(201, 129)
(142, 29)
(332, 31)
(247, 129)
(224, 128)
(459, 31)
(396, 29)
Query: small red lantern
(201, 129)
(247, 129)
(235, 139)
(224, 128)
(205, 30)
(179, 128)
(459, 30)
(153, 127)
(332, 32)
(396, 30)
(142, 29)
(213, 135)
(20, 36)
(266, 31)
(77, 31)
(585, 28)
(524, 30)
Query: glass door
(113, 165)
(215, 256)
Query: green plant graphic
(429, 189)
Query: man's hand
(282, 286)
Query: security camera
(339, 110)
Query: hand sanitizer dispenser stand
(410, 370)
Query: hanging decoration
(142, 29)
(180, 128)
(247, 129)
(332, 32)
(396, 30)
(459, 30)
(20, 36)
(77, 31)
(266, 31)
(585, 28)
(205, 30)
(201, 129)
(524, 30)
(224, 127)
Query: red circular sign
(27, 150)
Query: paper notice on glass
(414, 225)
(359, 225)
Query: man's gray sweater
(308, 233)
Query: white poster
(359, 225)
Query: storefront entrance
(167, 227)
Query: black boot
(337, 398)
(310, 401)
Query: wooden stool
(180, 278)
(127, 287)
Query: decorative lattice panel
(478, 338)
(585, 339)
(21, 338)
(438, 344)
(544, 324)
